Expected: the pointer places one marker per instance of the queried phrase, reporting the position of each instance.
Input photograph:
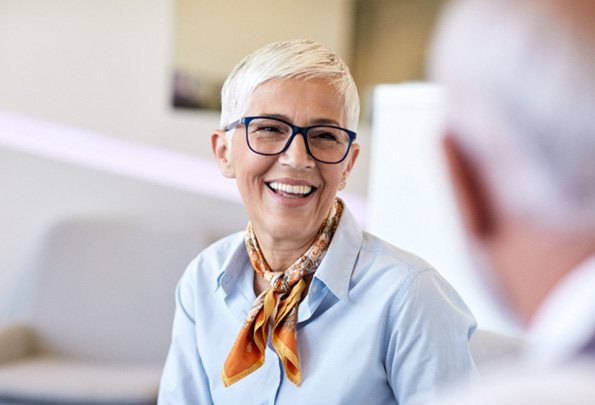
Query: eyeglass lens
(269, 136)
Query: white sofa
(490, 348)
(92, 312)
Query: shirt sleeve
(184, 380)
(428, 327)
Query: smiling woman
(268, 315)
(287, 222)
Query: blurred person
(521, 150)
(304, 307)
(520, 147)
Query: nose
(297, 155)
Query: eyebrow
(317, 121)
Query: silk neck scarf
(276, 308)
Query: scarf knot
(280, 283)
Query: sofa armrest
(16, 341)
(489, 348)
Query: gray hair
(520, 83)
(287, 59)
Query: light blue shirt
(378, 326)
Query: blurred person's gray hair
(521, 101)
(304, 59)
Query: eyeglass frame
(295, 129)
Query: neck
(533, 260)
(281, 254)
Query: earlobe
(352, 158)
(222, 152)
(470, 190)
(343, 181)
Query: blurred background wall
(99, 65)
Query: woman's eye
(265, 128)
(269, 128)
(325, 136)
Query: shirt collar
(234, 263)
(564, 322)
(338, 263)
(334, 270)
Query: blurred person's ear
(222, 152)
(470, 190)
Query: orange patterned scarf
(281, 299)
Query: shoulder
(413, 286)
(372, 261)
(380, 259)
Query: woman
(304, 307)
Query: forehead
(302, 101)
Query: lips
(291, 190)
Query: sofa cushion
(47, 379)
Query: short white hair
(520, 85)
(287, 59)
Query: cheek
(332, 177)
(250, 167)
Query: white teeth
(287, 188)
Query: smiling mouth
(291, 191)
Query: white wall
(102, 65)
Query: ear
(351, 159)
(470, 190)
(222, 152)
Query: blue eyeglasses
(271, 136)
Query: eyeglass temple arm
(233, 125)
